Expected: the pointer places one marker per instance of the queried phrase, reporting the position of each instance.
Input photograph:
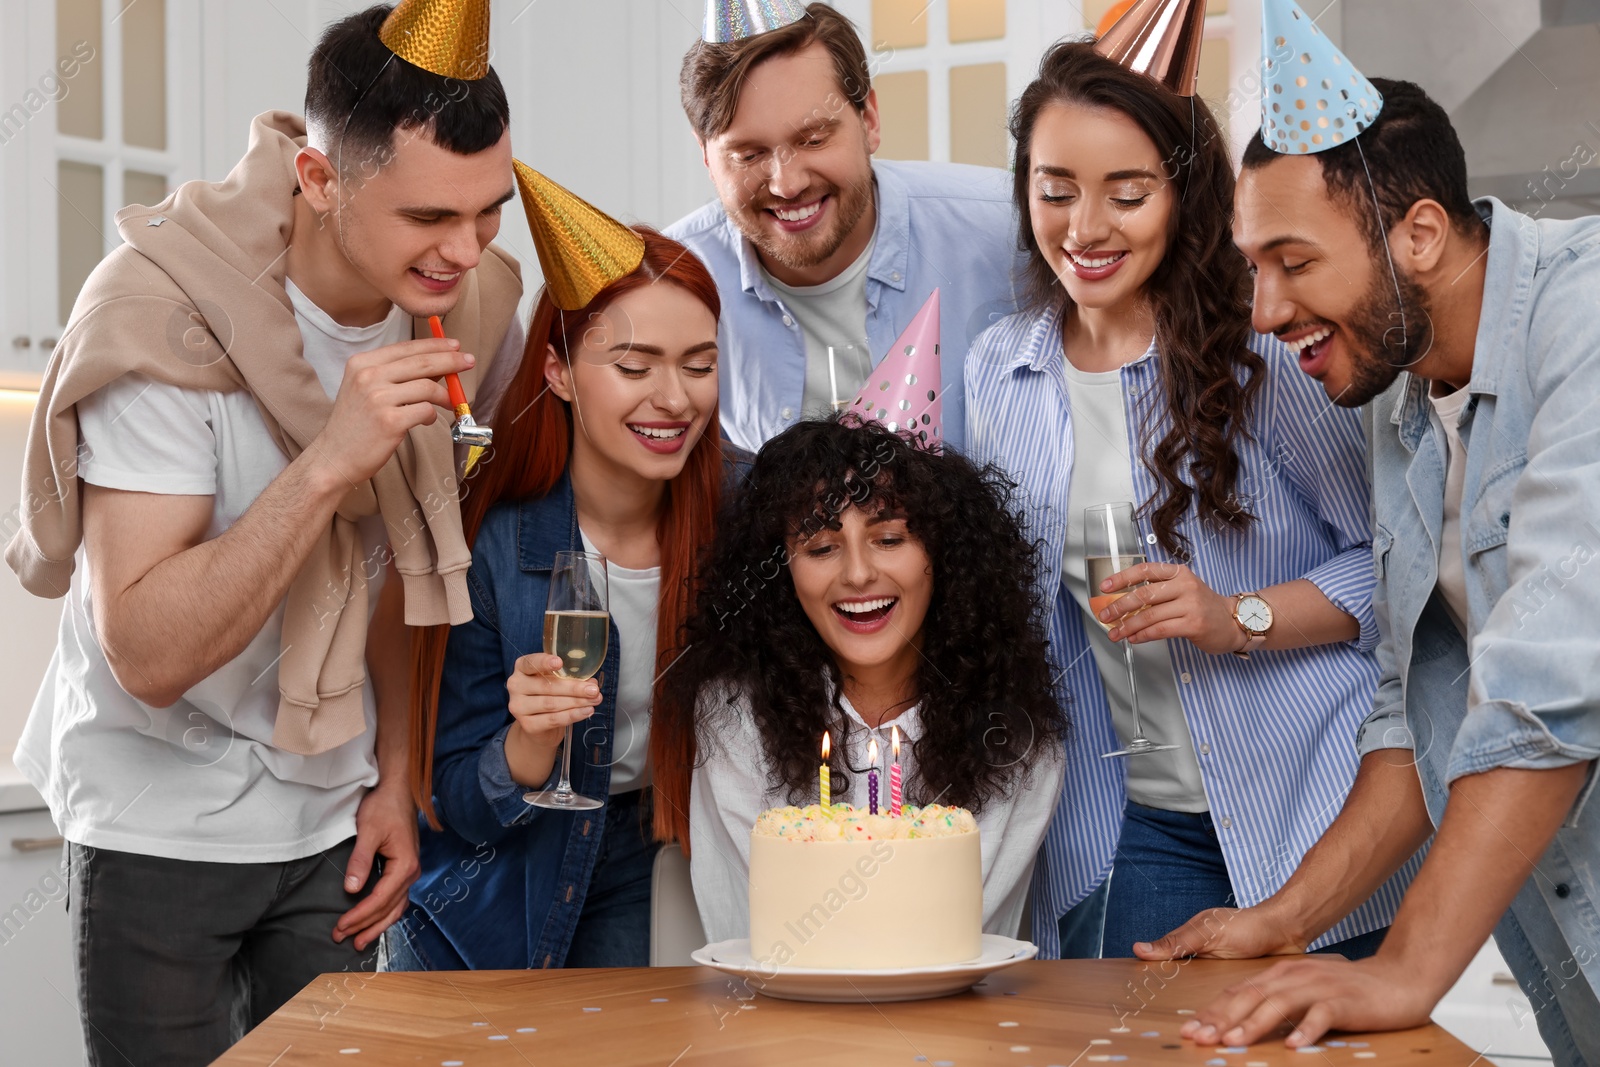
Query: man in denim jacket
(1474, 331)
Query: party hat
(902, 392)
(1313, 97)
(1160, 38)
(448, 37)
(581, 248)
(734, 20)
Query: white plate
(847, 986)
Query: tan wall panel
(899, 23)
(977, 20)
(903, 112)
(978, 115)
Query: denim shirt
(505, 881)
(1523, 690)
(940, 226)
(1275, 734)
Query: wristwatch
(1254, 617)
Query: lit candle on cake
(824, 770)
(872, 776)
(894, 772)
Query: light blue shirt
(1275, 734)
(1522, 688)
(941, 226)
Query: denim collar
(546, 525)
(891, 248)
(1508, 279)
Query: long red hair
(532, 443)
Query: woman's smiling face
(1101, 207)
(642, 381)
(866, 588)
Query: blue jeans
(614, 927)
(1169, 868)
(1081, 928)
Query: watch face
(1255, 614)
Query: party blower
(464, 431)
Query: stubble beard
(1380, 347)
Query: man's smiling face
(794, 168)
(1321, 287)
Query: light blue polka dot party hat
(1313, 97)
(734, 20)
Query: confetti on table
(1366, 1055)
(747, 1007)
(1008, 1023)
(1334, 1044)
(1256, 1063)
(658, 1000)
(480, 1024)
(1099, 1041)
(1098, 1059)
(1216, 1063)
(1358, 1044)
(1120, 1030)
(1021, 1048)
(591, 1009)
(1185, 1011)
(944, 1063)
(1309, 1048)
(498, 1037)
(527, 1029)
(1234, 1050)
(451, 1063)
(1151, 1033)
(348, 1051)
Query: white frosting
(866, 903)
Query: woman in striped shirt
(1135, 375)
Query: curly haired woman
(862, 583)
(1135, 376)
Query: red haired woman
(607, 442)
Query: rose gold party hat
(1160, 38)
(448, 37)
(581, 248)
(902, 392)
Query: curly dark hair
(984, 685)
(1200, 293)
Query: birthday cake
(838, 888)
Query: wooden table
(1066, 1012)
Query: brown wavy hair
(530, 453)
(1200, 293)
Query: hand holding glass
(1110, 545)
(577, 627)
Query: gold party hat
(581, 248)
(448, 37)
(1160, 38)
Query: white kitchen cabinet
(38, 995)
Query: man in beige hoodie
(239, 436)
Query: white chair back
(675, 929)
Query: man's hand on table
(1315, 994)
(1227, 934)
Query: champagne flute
(577, 627)
(1110, 544)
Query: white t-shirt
(832, 315)
(634, 596)
(199, 780)
(1103, 474)
(1452, 566)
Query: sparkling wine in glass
(577, 627)
(1110, 544)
